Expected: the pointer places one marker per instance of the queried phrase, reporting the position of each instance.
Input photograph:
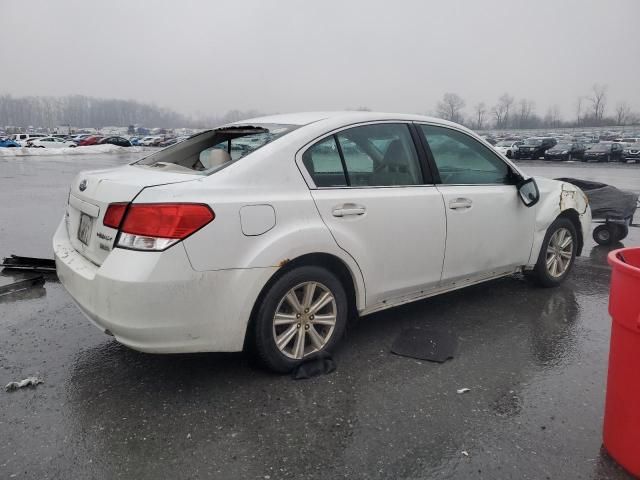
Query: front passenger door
(489, 229)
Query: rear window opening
(212, 150)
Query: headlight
(565, 151)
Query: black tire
(603, 234)
(621, 231)
(509, 154)
(540, 274)
(263, 334)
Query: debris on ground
(12, 284)
(27, 382)
(463, 390)
(322, 364)
(465, 453)
(42, 265)
(425, 344)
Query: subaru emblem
(83, 185)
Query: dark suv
(565, 151)
(605, 152)
(535, 147)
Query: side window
(323, 163)
(462, 160)
(380, 155)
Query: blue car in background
(7, 142)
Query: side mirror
(529, 193)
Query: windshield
(504, 144)
(601, 147)
(562, 146)
(532, 141)
(212, 150)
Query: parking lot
(533, 359)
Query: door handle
(460, 203)
(348, 209)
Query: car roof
(306, 118)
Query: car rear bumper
(155, 302)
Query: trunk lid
(91, 193)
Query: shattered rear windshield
(209, 151)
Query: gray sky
(280, 56)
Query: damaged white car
(269, 233)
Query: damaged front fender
(559, 198)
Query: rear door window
(380, 155)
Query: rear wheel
(303, 314)
(557, 254)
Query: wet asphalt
(534, 361)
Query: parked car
(8, 143)
(119, 141)
(168, 141)
(605, 152)
(90, 140)
(149, 141)
(78, 138)
(50, 142)
(202, 247)
(508, 148)
(23, 138)
(534, 147)
(135, 141)
(632, 152)
(565, 151)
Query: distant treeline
(81, 111)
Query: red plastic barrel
(622, 409)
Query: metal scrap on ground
(42, 265)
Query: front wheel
(303, 314)
(557, 254)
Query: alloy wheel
(559, 252)
(304, 320)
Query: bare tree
(598, 99)
(507, 101)
(525, 108)
(498, 111)
(480, 112)
(450, 107)
(552, 117)
(579, 102)
(622, 113)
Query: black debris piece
(12, 285)
(425, 344)
(42, 265)
(321, 364)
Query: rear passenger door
(489, 229)
(369, 187)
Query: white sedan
(508, 148)
(51, 142)
(269, 233)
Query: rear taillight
(157, 226)
(114, 214)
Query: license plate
(84, 230)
